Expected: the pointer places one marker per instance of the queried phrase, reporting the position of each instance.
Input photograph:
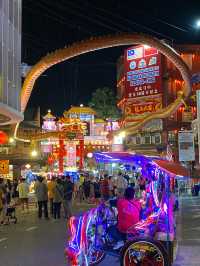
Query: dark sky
(51, 24)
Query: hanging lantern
(50, 160)
(3, 137)
(78, 152)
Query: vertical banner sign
(85, 126)
(186, 146)
(142, 71)
(4, 167)
(71, 154)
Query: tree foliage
(104, 102)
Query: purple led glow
(165, 208)
(83, 238)
(154, 191)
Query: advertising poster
(142, 71)
(186, 146)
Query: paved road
(189, 233)
(32, 242)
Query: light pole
(198, 24)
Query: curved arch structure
(99, 43)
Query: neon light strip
(155, 195)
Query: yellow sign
(4, 167)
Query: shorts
(24, 200)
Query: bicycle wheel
(141, 252)
(95, 257)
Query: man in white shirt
(23, 189)
(121, 184)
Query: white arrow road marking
(31, 228)
(196, 216)
(3, 239)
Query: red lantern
(78, 151)
(50, 160)
(3, 137)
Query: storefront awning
(173, 168)
(121, 157)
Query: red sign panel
(142, 71)
(71, 154)
(136, 108)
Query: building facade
(10, 61)
(148, 82)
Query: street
(189, 233)
(39, 242)
(32, 242)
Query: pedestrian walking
(86, 187)
(68, 188)
(97, 193)
(8, 191)
(15, 193)
(51, 186)
(23, 190)
(142, 183)
(104, 187)
(2, 202)
(121, 184)
(57, 198)
(92, 194)
(41, 192)
(111, 186)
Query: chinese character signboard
(71, 154)
(135, 109)
(186, 146)
(4, 167)
(187, 117)
(142, 71)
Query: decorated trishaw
(150, 241)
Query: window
(157, 138)
(147, 139)
(26, 144)
(138, 139)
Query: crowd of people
(59, 192)
(54, 193)
(92, 189)
(8, 191)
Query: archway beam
(99, 43)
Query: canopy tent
(173, 168)
(133, 158)
(121, 157)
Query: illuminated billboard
(142, 65)
(140, 106)
(136, 109)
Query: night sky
(51, 24)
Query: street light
(34, 153)
(198, 24)
(90, 155)
(122, 134)
(28, 166)
(11, 140)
